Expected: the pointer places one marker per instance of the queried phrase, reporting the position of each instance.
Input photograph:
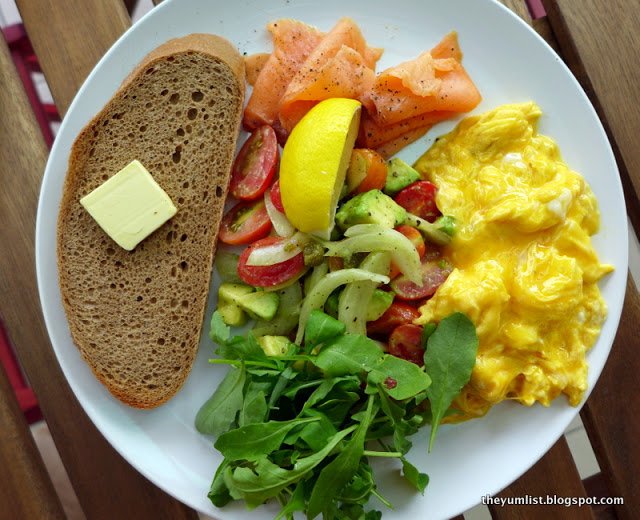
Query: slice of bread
(136, 316)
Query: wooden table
(597, 39)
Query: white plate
(509, 63)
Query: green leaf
(265, 479)
(346, 383)
(246, 349)
(219, 412)
(337, 474)
(413, 476)
(254, 408)
(256, 440)
(401, 379)
(219, 331)
(296, 503)
(449, 358)
(321, 328)
(358, 490)
(219, 492)
(318, 433)
(350, 354)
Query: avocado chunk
(260, 305)
(371, 207)
(380, 301)
(399, 176)
(286, 317)
(231, 314)
(274, 345)
(233, 292)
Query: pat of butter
(129, 206)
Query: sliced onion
(278, 253)
(321, 291)
(403, 251)
(279, 220)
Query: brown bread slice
(136, 316)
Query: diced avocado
(286, 317)
(371, 207)
(380, 301)
(399, 176)
(233, 292)
(260, 305)
(274, 345)
(231, 314)
(332, 303)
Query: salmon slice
(390, 148)
(449, 47)
(422, 85)
(342, 65)
(293, 42)
(374, 135)
(254, 64)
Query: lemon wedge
(314, 163)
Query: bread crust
(119, 304)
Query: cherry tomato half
(416, 238)
(398, 314)
(367, 171)
(255, 164)
(405, 342)
(419, 198)
(244, 223)
(268, 275)
(434, 273)
(276, 198)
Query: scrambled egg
(525, 269)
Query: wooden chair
(68, 38)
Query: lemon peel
(314, 164)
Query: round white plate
(509, 63)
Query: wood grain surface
(106, 485)
(554, 474)
(19, 458)
(601, 44)
(69, 37)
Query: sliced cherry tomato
(398, 314)
(269, 275)
(255, 164)
(367, 171)
(405, 342)
(244, 223)
(276, 198)
(434, 273)
(414, 235)
(419, 198)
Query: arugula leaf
(254, 441)
(265, 479)
(219, 331)
(219, 492)
(401, 379)
(254, 407)
(413, 476)
(335, 476)
(295, 503)
(350, 354)
(321, 327)
(219, 412)
(450, 357)
(246, 349)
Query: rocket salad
(333, 372)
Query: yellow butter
(129, 206)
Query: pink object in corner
(536, 9)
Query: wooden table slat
(106, 485)
(599, 41)
(20, 460)
(612, 413)
(554, 474)
(70, 37)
